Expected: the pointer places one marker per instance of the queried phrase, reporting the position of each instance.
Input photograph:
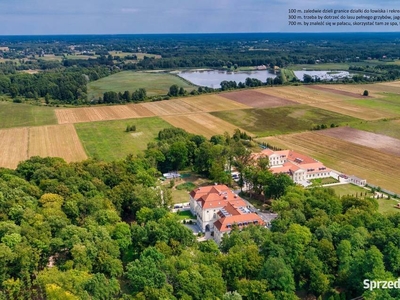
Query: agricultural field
(302, 94)
(109, 140)
(282, 120)
(390, 128)
(170, 107)
(18, 144)
(19, 115)
(49, 57)
(154, 83)
(378, 168)
(202, 124)
(390, 104)
(256, 99)
(376, 90)
(372, 140)
(213, 102)
(366, 109)
(56, 141)
(102, 113)
(204, 103)
(339, 92)
(13, 146)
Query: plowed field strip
(379, 142)
(202, 123)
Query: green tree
(173, 90)
(278, 275)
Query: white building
(299, 167)
(217, 209)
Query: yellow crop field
(201, 123)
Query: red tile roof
(242, 220)
(216, 196)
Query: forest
(97, 230)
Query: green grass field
(390, 128)
(387, 205)
(20, 115)
(282, 120)
(154, 83)
(83, 57)
(108, 140)
(186, 215)
(322, 67)
(390, 103)
(350, 189)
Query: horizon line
(198, 33)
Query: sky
(41, 17)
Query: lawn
(20, 115)
(322, 181)
(350, 189)
(108, 140)
(282, 120)
(185, 215)
(154, 83)
(387, 205)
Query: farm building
(301, 168)
(217, 209)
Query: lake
(323, 75)
(213, 78)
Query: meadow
(386, 127)
(282, 120)
(108, 140)
(20, 114)
(154, 83)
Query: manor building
(301, 168)
(218, 209)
